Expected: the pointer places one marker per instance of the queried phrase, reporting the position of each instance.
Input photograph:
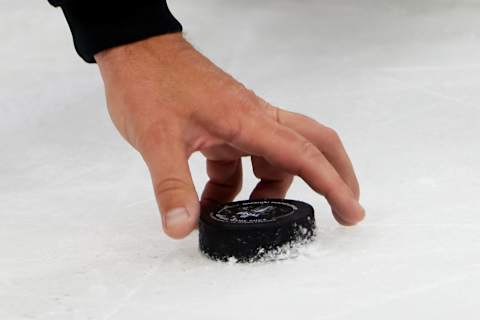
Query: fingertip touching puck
(249, 230)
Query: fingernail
(351, 215)
(176, 216)
(363, 212)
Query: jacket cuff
(114, 23)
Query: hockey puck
(248, 230)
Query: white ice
(80, 235)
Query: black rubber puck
(250, 229)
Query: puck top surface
(261, 213)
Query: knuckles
(309, 150)
(169, 185)
(332, 137)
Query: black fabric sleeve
(102, 24)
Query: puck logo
(254, 212)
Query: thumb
(175, 192)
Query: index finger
(325, 139)
(287, 149)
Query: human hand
(168, 101)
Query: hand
(168, 101)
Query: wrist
(151, 53)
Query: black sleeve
(102, 24)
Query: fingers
(225, 181)
(290, 151)
(326, 140)
(274, 182)
(175, 192)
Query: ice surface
(400, 80)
